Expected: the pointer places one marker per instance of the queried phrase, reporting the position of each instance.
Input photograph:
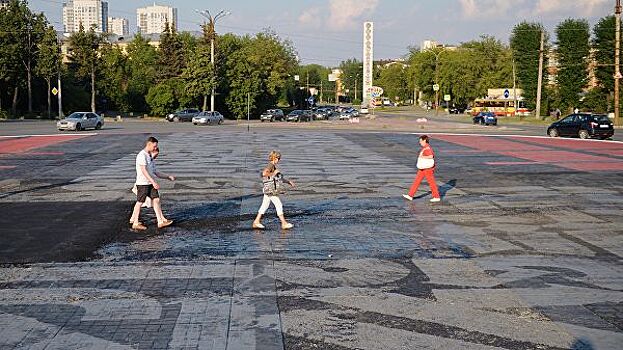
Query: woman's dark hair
(424, 138)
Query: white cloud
(583, 7)
(342, 14)
(310, 17)
(346, 13)
(484, 8)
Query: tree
(113, 82)
(460, 75)
(422, 71)
(313, 75)
(84, 47)
(49, 61)
(573, 55)
(161, 98)
(198, 76)
(258, 71)
(603, 45)
(394, 81)
(21, 32)
(525, 43)
(352, 70)
(142, 70)
(494, 61)
(171, 54)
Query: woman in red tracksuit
(426, 168)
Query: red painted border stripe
(512, 163)
(26, 144)
(6, 167)
(530, 152)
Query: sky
(329, 31)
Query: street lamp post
(617, 58)
(212, 32)
(58, 73)
(437, 54)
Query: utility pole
(540, 82)
(321, 91)
(212, 32)
(617, 59)
(516, 101)
(356, 78)
(60, 64)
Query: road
(523, 252)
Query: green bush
(161, 99)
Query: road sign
(297, 78)
(506, 93)
(375, 91)
(54, 91)
(436, 87)
(332, 77)
(447, 98)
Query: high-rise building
(152, 19)
(119, 26)
(86, 12)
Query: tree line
(258, 71)
(582, 75)
(100, 74)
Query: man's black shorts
(144, 191)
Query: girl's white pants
(266, 203)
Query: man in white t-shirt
(146, 186)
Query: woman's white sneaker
(435, 200)
(407, 197)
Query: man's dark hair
(152, 140)
(424, 138)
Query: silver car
(80, 121)
(204, 118)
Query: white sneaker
(407, 197)
(435, 200)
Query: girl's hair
(424, 138)
(274, 155)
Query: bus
(501, 107)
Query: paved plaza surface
(523, 252)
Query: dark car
(582, 125)
(485, 118)
(273, 115)
(299, 115)
(321, 114)
(184, 115)
(457, 110)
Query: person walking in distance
(146, 186)
(426, 168)
(272, 181)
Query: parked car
(583, 126)
(346, 115)
(457, 110)
(80, 121)
(204, 118)
(299, 115)
(364, 110)
(272, 115)
(321, 114)
(184, 115)
(485, 118)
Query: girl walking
(272, 181)
(426, 168)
